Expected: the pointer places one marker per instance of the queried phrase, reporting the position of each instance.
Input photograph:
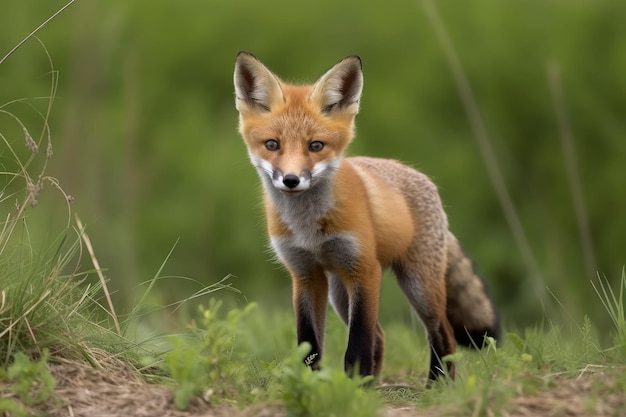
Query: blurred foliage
(145, 136)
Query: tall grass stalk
(483, 143)
(572, 169)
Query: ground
(119, 391)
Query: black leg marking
(439, 347)
(306, 333)
(360, 352)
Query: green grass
(54, 302)
(42, 297)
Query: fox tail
(470, 310)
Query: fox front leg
(310, 300)
(365, 340)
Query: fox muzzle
(291, 182)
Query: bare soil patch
(115, 390)
(598, 394)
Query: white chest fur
(308, 244)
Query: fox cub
(335, 222)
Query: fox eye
(316, 146)
(272, 145)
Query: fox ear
(339, 89)
(256, 87)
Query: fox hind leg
(427, 295)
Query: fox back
(336, 222)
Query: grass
(39, 286)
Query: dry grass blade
(96, 265)
(37, 29)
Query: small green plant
(201, 363)
(326, 393)
(189, 369)
(31, 380)
(12, 407)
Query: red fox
(336, 222)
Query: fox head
(296, 134)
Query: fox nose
(291, 180)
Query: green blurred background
(144, 132)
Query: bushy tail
(469, 308)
